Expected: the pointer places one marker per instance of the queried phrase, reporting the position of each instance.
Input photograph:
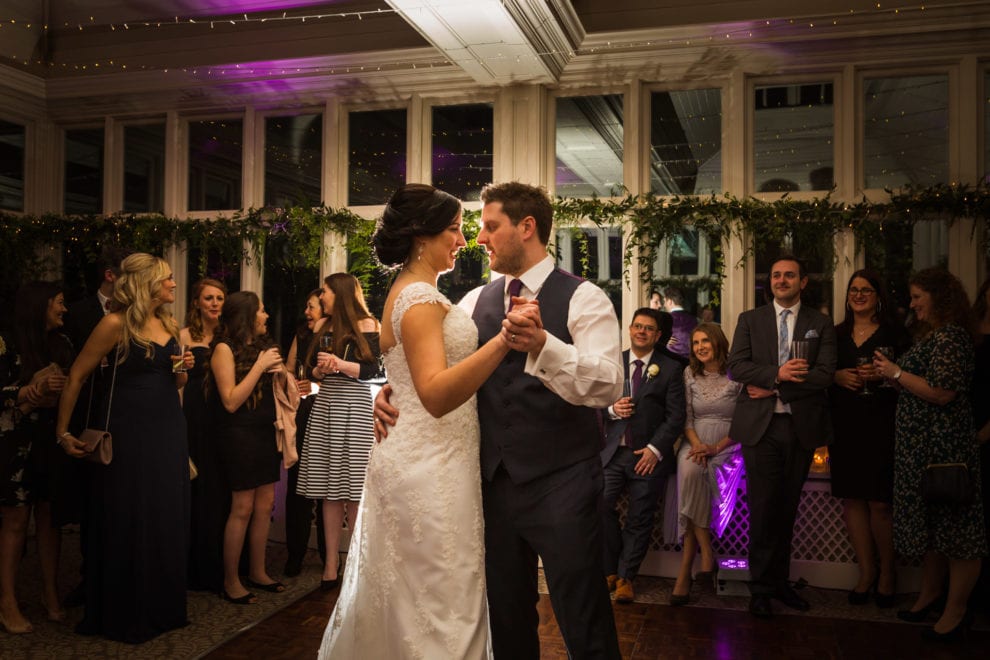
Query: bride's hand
(385, 413)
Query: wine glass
(864, 362)
(326, 343)
(178, 361)
(887, 352)
(301, 374)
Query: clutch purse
(947, 483)
(99, 445)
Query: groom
(540, 437)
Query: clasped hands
(522, 328)
(327, 363)
(794, 370)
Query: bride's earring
(419, 255)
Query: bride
(414, 583)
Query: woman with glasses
(862, 455)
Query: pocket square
(811, 334)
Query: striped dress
(339, 435)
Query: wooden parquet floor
(649, 631)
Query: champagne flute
(178, 361)
(326, 343)
(887, 352)
(301, 375)
(864, 362)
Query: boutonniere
(652, 371)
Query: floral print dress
(929, 433)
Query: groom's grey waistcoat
(523, 424)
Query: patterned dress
(929, 433)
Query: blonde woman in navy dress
(340, 432)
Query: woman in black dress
(209, 491)
(139, 506)
(31, 465)
(242, 362)
(862, 455)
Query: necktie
(634, 382)
(784, 349)
(515, 286)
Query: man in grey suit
(781, 416)
(639, 453)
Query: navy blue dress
(139, 537)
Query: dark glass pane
(686, 142)
(11, 166)
(589, 146)
(906, 136)
(462, 149)
(215, 265)
(377, 164)
(84, 171)
(986, 127)
(903, 249)
(215, 164)
(287, 284)
(293, 148)
(793, 138)
(144, 168)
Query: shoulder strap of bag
(92, 386)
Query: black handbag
(947, 483)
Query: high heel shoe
(863, 597)
(22, 630)
(917, 616)
(329, 585)
(679, 600)
(957, 633)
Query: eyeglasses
(647, 328)
(865, 291)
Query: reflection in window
(793, 136)
(686, 142)
(11, 166)
(462, 149)
(906, 135)
(595, 254)
(216, 264)
(589, 146)
(293, 148)
(144, 168)
(904, 248)
(377, 163)
(84, 171)
(215, 164)
(688, 262)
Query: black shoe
(329, 585)
(885, 601)
(859, 597)
(917, 616)
(76, 597)
(247, 599)
(953, 635)
(293, 567)
(790, 598)
(759, 606)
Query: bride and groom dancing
(443, 557)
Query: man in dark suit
(684, 323)
(639, 448)
(781, 416)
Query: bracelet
(897, 374)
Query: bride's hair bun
(415, 209)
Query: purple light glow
(734, 563)
(227, 7)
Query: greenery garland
(293, 237)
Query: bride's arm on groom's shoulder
(442, 387)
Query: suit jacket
(83, 316)
(684, 323)
(753, 360)
(660, 413)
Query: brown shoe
(611, 580)
(624, 591)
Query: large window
(215, 164)
(589, 146)
(11, 166)
(686, 142)
(793, 137)
(462, 149)
(595, 254)
(293, 147)
(689, 262)
(906, 135)
(986, 127)
(144, 168)
(84, 171)
(904, 248)
(377, 148)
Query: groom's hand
(522, 328)
(385, 413)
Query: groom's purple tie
(515, 286)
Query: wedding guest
(684, 322)
(934, 424)
(301, 360)
(656, 300)
(243, 362)
(31, 465)
(709, 463)
(210, 496)
(139, 513)
(643, 425)
(339, 432)
(862, 454)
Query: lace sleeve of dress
(417, 293)
(689, 397)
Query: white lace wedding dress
(414, 582)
